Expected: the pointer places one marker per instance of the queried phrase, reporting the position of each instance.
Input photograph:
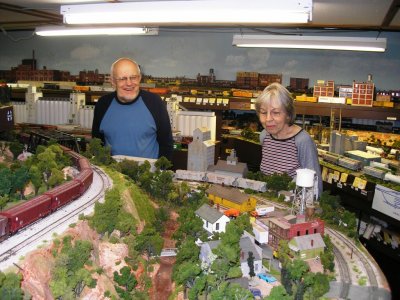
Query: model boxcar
(4, 230)
(28, 212)
(84, 164)
(330, 157)
(220, 178)
(75, 157)
(64, 194)
(85, 179)
(375, 172)
(350, 163)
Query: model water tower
(304, 193)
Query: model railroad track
(361, 256)
(269, 202)
(105, 184)
(105, 181)
(344, 272)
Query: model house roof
(308, 242)
(222, 165)
(246, 246)
(231, 194)
(209, 213)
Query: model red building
(324, 89)
(255, 80)
(299, 84)
(363, 93)
(285, 228)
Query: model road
(28, 238)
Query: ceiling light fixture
(73, 31)
(200, 12)
(311, 42)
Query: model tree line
(43, 171)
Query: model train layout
(28, 212)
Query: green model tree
(317, 285)
(20, 180)
(149, 242)
(297, 270)
(98, 153)
(10, 286)
(129, 168)
(163, 186)
(279, 293)
(162, 164)
(5, 181)
(191, 226)
(36, 178)
(229, 290)
(16, 148)
(110, 215)
(327, 257)
(126, 282)
(250, 263)
(227, 263)
(69, 276)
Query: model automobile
(255, 292)
(266, 277)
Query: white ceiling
(380, 15)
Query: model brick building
(286, 228)
(323, 89)
(363, 93)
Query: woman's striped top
(279, 156)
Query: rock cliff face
(38, 264)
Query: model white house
(213, 220)
(201, 150)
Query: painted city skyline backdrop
(188, 53)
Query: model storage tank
(304, 193)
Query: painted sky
(187, 53)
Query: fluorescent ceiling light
(200, 12)
(311, 42)
(66, 31)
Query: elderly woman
(286, 147)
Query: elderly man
(132, 121)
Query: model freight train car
(222, 179)
(339, 160)
(24, 214)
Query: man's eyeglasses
(133, 78)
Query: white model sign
(387, 201)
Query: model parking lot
(264, 287)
